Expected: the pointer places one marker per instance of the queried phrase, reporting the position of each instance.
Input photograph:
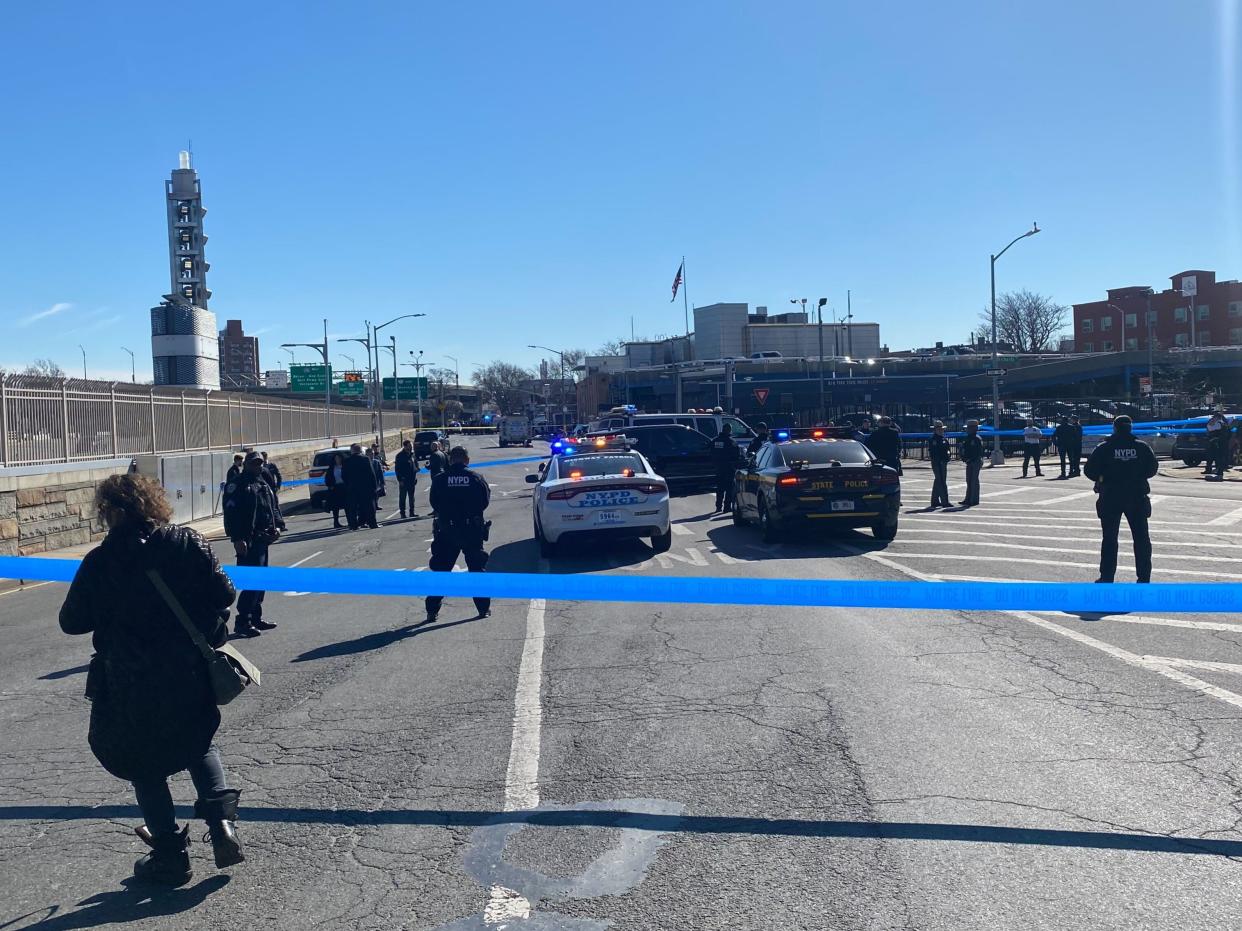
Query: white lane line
(1007, 491)
(1133, 659)
(727, 559)
(1073, 497)
(1058, 562)
(1226, 520)
(1153, 621)
(1163, 526)
(991, 544)
(1029, 536)
(294, 565)
(522, 777)
(682, 530)
(1196, 664)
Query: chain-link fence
(49, 420)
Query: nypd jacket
(459, 495)
(250, 510)
(1121, 466)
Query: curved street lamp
(998, 457)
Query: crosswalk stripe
(1007, 491)
(1153, 621)
(1195, 664)
(1061, 549)
(1073, 497)
(1159, 526)
(681, 530)
(1055, 562)
(1226, 520)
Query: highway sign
(351, 389)
(309, 377)
(409, 388)
(995, 373)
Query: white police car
(590, 490)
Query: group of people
(1222, 438)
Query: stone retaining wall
(51, 510)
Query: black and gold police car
(816, 478)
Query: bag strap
(179, 612)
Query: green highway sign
(351, 389)
(409, 388)
(309, 377)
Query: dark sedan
(796, 484)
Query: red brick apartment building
(1210, 316)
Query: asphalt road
(688, 766)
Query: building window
(1088, 347)
(1235, 308)
(1235, 336)
(1181, 339)
(1131, 320)
(1202, 311)
(1088, 325)
(1204, 337)
(1106, 323)
(1151, 316)
(1132, 342)
(1179, 314)
(187, 264)
(1107, 345)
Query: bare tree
(614, 347)
(502, 384)
(1026, 320)
(45, 368)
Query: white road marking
(522, 777)
(1133, 659)
(692, 558)
(727, 559)
(1059, 549)
(1059, 562)
(1073, 497)
(682, 530)
(294, 565)
(1161, 525)
(1226, 520)
(1028, 536)
(1196, 664)
(1153, 621)
(1007, 491)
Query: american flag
(677, 280)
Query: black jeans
(1031, 451)
(1136, 509)
(446, 545)
(250, 603)
(940, 485)
(360, 512)
(405, 495)
(155, 799)
(724, 491)
(972, 482)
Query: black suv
(422, 443)
(681, 456)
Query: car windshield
(846, 452)
(593, 466)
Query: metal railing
(52, 420)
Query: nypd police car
(597, 491)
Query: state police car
(605, 491)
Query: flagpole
(685, 300)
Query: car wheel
(1190, 461)
(503, 444)
(884, 531)
(766, 529)
(738, 520)
(546, 547)
(663, 542)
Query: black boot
(168, 863)
(220, 813)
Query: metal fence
(48, 420)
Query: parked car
(319, 467)
(681, 455)
(708, 424)
(422, 443)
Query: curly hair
(132, 499)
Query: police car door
(748, 496)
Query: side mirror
(531, 479)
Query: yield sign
(761, 395)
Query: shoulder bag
(228, 670)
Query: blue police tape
(293, 483)
(1196, 597)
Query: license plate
(610, 517)
(842, 505)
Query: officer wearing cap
(1120, 468)
(761, 436)
(971, 453)
(939, 452)
(252, 521)
(1075, 451)
(459, 497)
(1063, 436)
(724, 457)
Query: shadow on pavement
(745, 543)
(136, 902)
(376, 641)
(570, 558)
(62, 674)
(681, 824)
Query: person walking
(1063, 436)
(359, 489)
(437, 461)
(761, 436)
(252, 521)
(1032, 447)
(1120, 467)
(1075, 452)
(153, 712)
(724, 459)
(334, 478)
(885, 444)
(235, 469)
(939, 452)
(407, 478)
(972, 456)
(459, 497)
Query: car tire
(663, 542)
(546, 547)
(766, 529)
(503, 444)
(738, 520)
(884, 531)
(1191, 461)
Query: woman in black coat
(153, 713)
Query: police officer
(1063, 436)
(437, 462)
(761, 436)
(1032, 447)
(407, 477)
(972, 456)
(252, 522)
(724, 458)
(273, 473)
(1120, 468)
(885, 443)
(359, 489)
(459, 497)
(939, 452)
(1075, 453)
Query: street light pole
(456, 379)
(322, 349)
(562, 391)
(998, 457)
(418, 385)
(379, 401)
(83, 348)
(823, 401)
(133, 371)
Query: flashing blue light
(782, 434)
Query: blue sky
(533, 172)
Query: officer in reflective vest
(459, 497)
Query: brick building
(239, 356)
(1211, 316)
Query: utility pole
(322, 349)
(823, 403)
(133, 371)
(998, 457)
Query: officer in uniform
(459, 497)
(252, 521)
(724, 457)
(1120, 468)
(761, 437)
(1075, 454)
(407, 477)
(275, 479)
(939, 452)
(972, 456)
(1063, 436)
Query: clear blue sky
(533, 172)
